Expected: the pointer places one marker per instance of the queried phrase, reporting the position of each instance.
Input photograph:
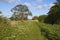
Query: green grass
(23, 31)
(29, 31)
(51, 32)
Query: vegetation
(51, 32)
(41, 18)
(54, 14)
(0, 13)
(3, 21)
(35, 18)
(21, 12)
(30, 29)
(22, 31)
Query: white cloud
(50, 5)
(28, 4)
(40, 7)
(10, 1)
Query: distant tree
(58, 2)
(41, 18)
(35, 18)
(54, 14)
(0, 13)
(3, 20)
(21, 12)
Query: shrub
(41, 18)
(3, 21)
(35, 18)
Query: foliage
(58, 2)
(53, 15)
(3, 21)
(50, 32)
(41, 18)
(31, 30)
(0, 12)
(35, 18)
(21, 12)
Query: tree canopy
(41, 18)
(21, 12)
(35, 18)
(54, 14)
(0, 12)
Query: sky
(37, 7)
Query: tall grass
(51, 32)
(30, 30)
(22, 31)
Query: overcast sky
(37, 7)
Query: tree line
(21, 12)
(53, 16)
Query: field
(30, 30)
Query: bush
(41, 18)
(35, 18)
(3, 21)
(51, 32)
